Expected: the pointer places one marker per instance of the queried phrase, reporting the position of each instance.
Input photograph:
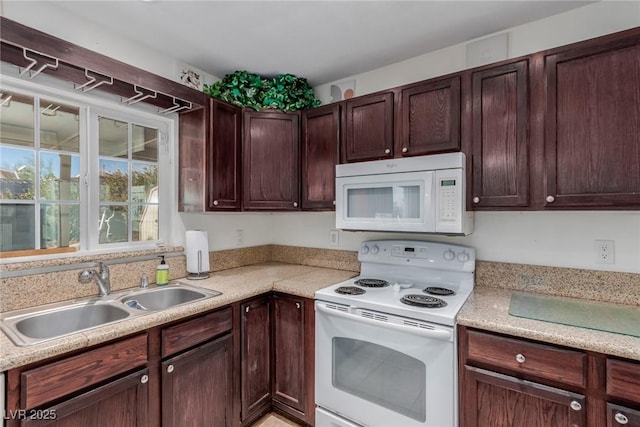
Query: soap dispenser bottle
(162, 272)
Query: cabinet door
(592, 125)
(619, 416)
(320, 142)
(489, 399)
(223, 157)
(368, 128)
(119, 403)
(289, 351)
(270, 161)
(500, 138)
(430, 117)
(192, 147)
(196, 386)
(255, 352)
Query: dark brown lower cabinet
(496, 400)
(196, 386)
(255, 356)
(618, 416)
(119, 403)
(277, 357)
(508, 381)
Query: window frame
(105, 106)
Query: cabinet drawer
(618, 416)
(69, 375)
(192, 332)
(623, 379)
(543, 361)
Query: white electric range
(385, 340)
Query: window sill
(12, 267)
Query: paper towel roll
(197, 251)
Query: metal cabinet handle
(520, 358)
(295, 204)
(144, 379)
(297, 305)
(576, 406)
(476, 200)
(170, 368)
(387, 151)
(405, 149)
(550, 199)
(215, 203)
(621, 418)
(246, 309)
(334, 203)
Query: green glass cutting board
(616, 318)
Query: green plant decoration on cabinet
(285, 92)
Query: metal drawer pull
(387, 151)
(215, 203)
(405, 149)
(297, 305)
(476, 200)
(621, 418)
(576, 406)
(520, 358)
(550, 199)
(170, 368)
(246, 310)
(144, 379)
(295, 204)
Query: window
(79, 177)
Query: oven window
(380, 375)
(389, 202)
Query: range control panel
(418, 253)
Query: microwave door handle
(426, 333)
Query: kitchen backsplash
(30, 290)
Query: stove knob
(365, 250)
(375, 249)
(449, 255)
(463, 257)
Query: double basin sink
(35, 325)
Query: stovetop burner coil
(371, 283)
(437, 290)
(425, 301)
(350, 290)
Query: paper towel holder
(200, 275)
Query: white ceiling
(321, 40)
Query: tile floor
(274, 420)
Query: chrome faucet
(101, 277)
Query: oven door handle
(438, 334)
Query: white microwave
(422, 194)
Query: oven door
(381, 370)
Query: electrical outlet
(605, 252)
(239, 237)
(334, 237)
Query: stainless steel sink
(164, 297)
(26, 327)
(34, 325)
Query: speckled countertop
(488, 308)
(235, 284)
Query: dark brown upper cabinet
(223, 157)
(592, 123)
(270, 153)
(192, 146)
(320, 144)
(500, 142)
(430, 117)
(368, 128)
